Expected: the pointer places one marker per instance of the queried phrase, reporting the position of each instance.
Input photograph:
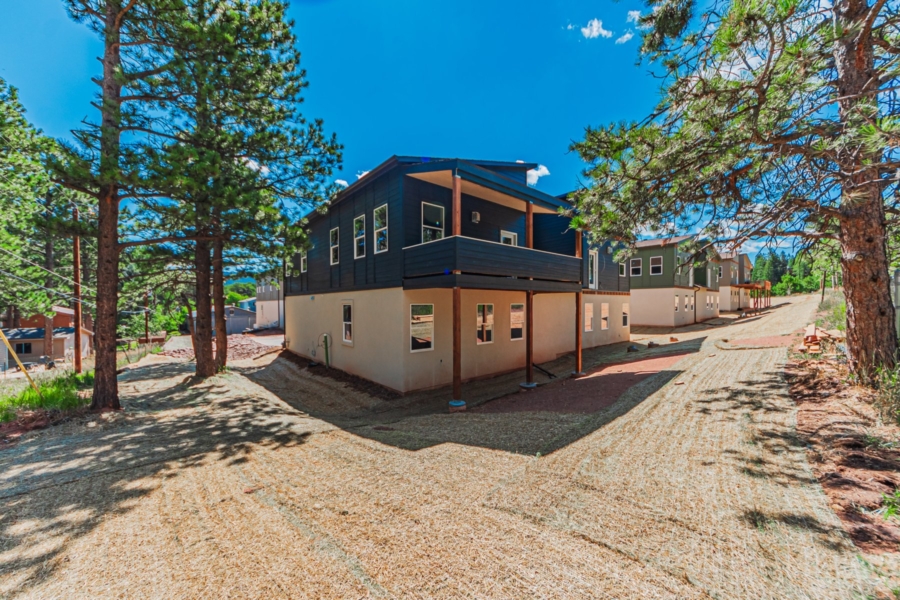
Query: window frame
(511, 235)
(27, 348)
(593, 269)
(344, 322)
(604, 316)
(431, 347)
(677, 302)
(304, 261)
(626, 309)
(640, 267)
(588, 317)
(522, 337)
(423, 226)
(479, 308)
(356, 237)
(334, 246)
(660, 265)
(376, 230)
(623, 270)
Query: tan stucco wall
(656, 307)
(268, 313)
(733, 299)
(381, 352)
(704, 313)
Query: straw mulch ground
(231, 488)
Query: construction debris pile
(814, 337)
(240, 347)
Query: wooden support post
(529, 225)
(457, 205)
(457, 344)
(147, 315)
(578, 334)
(76, 278)
(529, 341)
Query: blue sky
(467, 78)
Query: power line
(55, 274)
(70, 297)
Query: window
(719, 276)
(692, 302)
(636, 266)
(516, 321)
(588, 317)
(359, 236)
(593, 257)
(621, 269)
(509, 238)
(685, 303)
(432, 222)
(303, 262)
(23, 348)
(348, 323)
(421, 327)
(604, 316)
(485, 323)
(676, 302)
(380, 225)
(656, 265)
(334, 242)
(625, 311)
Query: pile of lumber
(813, 338)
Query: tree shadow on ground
(828, 536)
(421, 420)
(60, 485)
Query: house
(248, 304)
(237, 319)
(28, 343)
(4, 358)
(428, 272)
(269, 304)
(668, 289)
(734, 275)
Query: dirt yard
(274, 481)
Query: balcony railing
(481, 257)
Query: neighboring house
(28, 343)
(248, 304)
(667, 289)
(237, 319)
(429, 272)
(4, 358)
(269, 304)
(735, 273)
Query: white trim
(344, 323)
(477, 314)
(593, 270)
(357, 237)
(640, 262)
(652, 274)
(604, 320)
(510, 234)
(303, 261)
(385, 229)
(588, 319)
(433, 328)
(422, 222)
(331, 246)
(623, 270)
(626, 316)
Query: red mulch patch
(32, 420)
(855, 459)
(591, 393)
(239, 347)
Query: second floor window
(621, 269)
(593, 257)
(380, 227)
(636, 267)
(432, 222)
(334, 241)
(656, 265)
(359, 236)
(303, 262)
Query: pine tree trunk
(219, 300)
(871, 333)
(203, 326)
(48, 319)
(106, 386)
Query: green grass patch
(833, 311)
(57, 393)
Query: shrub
(57, 393)
(887, 394)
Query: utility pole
(76, 266)
(147, 315)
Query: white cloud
(520, 161)
(570, 27)
(627, 36)
(633, 16)
(361, 174)
(594, 29)
(256, 166)
(341, 182)
(738, 68)
(533, 175)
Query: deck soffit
(445, 180)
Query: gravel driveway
(231, 489)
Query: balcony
(488, 265)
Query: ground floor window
(676, 302)
(348, 323)
(421, 327)
(625, 310)
(23, 348)
(485, 323)
(685, 303)
(604, 316)
(588, 317)
(516, 321)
